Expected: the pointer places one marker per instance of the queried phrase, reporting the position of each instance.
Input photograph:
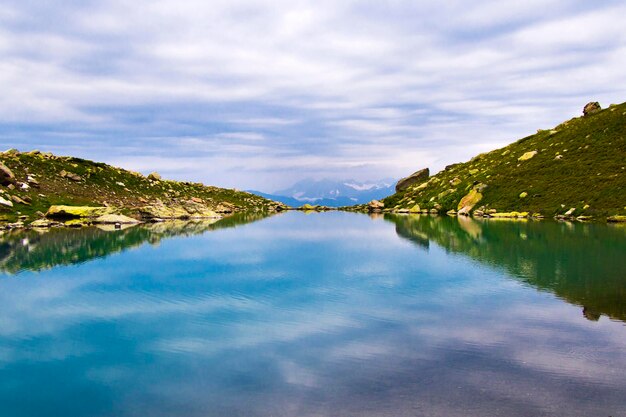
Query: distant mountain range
(331, 193)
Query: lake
(321, 314)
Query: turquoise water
(329, 314)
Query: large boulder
(154, 176)
(468, 202)
(591, 108)
(307, 206)
(64, 212)
(6, 175)
(415, 178)
(190, 210)
(375, 206)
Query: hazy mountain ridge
(332, 193)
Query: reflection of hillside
(581, 263)
(42, 249)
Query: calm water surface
(330, 314)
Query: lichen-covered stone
(468, 202)
(527, 155)
(617, 219)
(509, 215)
(176, 211)
(78, 211)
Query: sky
(259, 94)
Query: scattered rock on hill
(225, 207)
(415, 178)
(154, 176)
(591, 108)
(18, 200)
(70, 176)
(6, 175)
(32, 182)
(7, 203)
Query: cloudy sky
(258, 94)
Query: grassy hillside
(579, 164)
(43, 179)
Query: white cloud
(345, 73)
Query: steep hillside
(31, 182)
(577, 169)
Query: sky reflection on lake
(332, 314)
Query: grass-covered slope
(579, 164)
(43, 179)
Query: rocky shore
(39, 189)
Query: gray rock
(415, 178)
(70, 175)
